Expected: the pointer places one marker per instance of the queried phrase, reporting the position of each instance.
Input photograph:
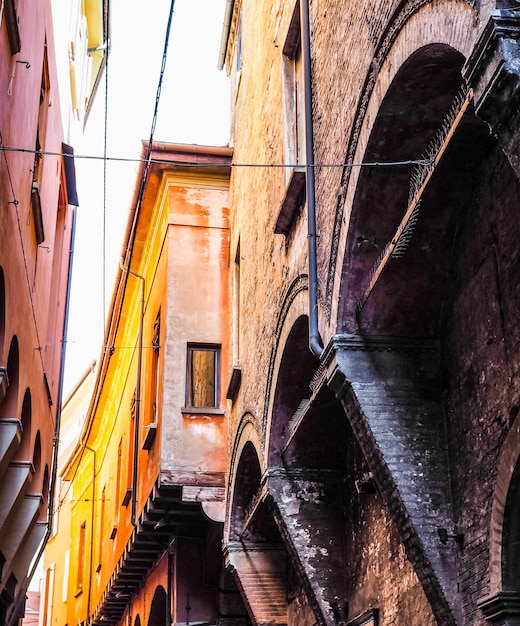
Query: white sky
(194, 108)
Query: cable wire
(396, 163)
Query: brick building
(374, 385)
(38, 197)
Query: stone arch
(246, 433)
(417, 25)
(292, 390)
(511, 536)
(25, 451)
(246, 485)
(500, 606)
(9, 406)
(425, 95)
(159, 610)
(294, 304)
(504, 539)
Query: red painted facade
(35, 241)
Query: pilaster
(389, 389)
(260, 571)
(502, 609)
(306, 507)
(493, 72)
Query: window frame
(82, 545)
(11, 21)
(293, 97)
(215, 348)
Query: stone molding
(493, 72)
(502, 609)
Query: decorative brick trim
(299, 284)
(502, 609)
(396, 23)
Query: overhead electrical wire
(395, 163)
(147, 160)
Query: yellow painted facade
(147, 476)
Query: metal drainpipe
(315, 341)
(137, 394)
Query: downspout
(226, 27)
(135, 460)
(315, 341)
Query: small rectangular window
(81, 557)
(202, 376)
(119, 466)
(11, 20)
(293, 94)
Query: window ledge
(201, 410)
(235, 381)
(127, 497)
(151, 431)
(293, 200)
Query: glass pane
(202, 388)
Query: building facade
(35, 241)
(56, 558)
(37, 190)
(143, 490)
(374, 383)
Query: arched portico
(420, 267)
(159, 610)
(254, 550)
(502, 605)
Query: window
(117, 493)
(65, 585)
(118, 477)
(239, 43)
(81, 557)
(101, 529)
(294, 126)
(236, 374)
(48, 595)
(293, 91)
(11, 20)
(202, 381)
(154, 374)
(131, 447)
(236, 308)
(40, 145)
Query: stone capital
(493, 72)
(502, 609)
